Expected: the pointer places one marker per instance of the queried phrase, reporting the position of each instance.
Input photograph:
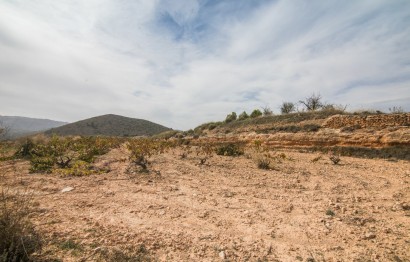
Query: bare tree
(267, 111)
(313, 102)
(287, 107)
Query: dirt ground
(227, 209)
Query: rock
(222, 255)
(67, 189)
(203, 214)
(369, 235)
(405, 206)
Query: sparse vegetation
(18, 238)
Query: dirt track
(227, 209)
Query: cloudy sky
(181, 63)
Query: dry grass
(18, 238)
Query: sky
(181, 63)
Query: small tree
(231, 117)
(267, 111)
(287, 107)
(313, 102)
(255, 113)
(396, 110)
(243, 116)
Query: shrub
(287, 108)
(231, 117)
(18, 239)
(142, 149)
(78, 168)
(256, 113)
(243, 116)
(263, 162)
(329, 212)
(266, 111)
(41, 164)
(25, 149)
(229, 150)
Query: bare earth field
(227, 209)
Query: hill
(110, 125)
(18, 126)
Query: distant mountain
(18, 126)
(110, 125)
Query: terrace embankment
(372, 131)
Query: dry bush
(263, 162)
(18, 239)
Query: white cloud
(181, 63)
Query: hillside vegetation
(110, 125)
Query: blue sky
(181, 63)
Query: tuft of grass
(18, 238)
(329, 212)
(263, 162)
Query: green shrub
(78, 168)
(231, 117)
(41, 164)
(256, 113)
(230, 150)
(243, 116)
(25, 149)
(287, 108)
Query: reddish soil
(227, 209)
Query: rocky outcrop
(369, 121)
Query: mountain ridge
(18, 126)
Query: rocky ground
(304, 209)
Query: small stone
(67, 189)
(222, 255)
(405, 206)
(369, 235)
